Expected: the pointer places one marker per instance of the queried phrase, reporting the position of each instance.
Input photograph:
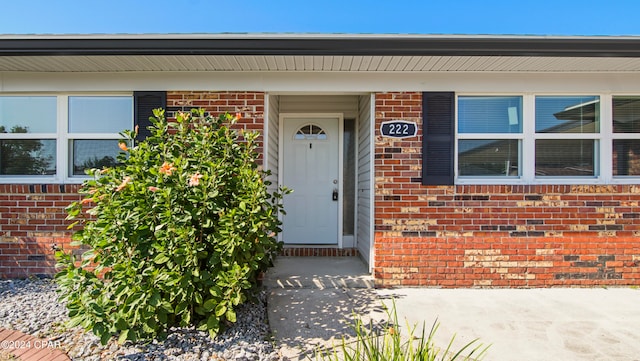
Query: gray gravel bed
(32, 306)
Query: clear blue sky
(534, 17)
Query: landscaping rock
(31, 306)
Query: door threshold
(318, 251)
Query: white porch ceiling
(329, 63)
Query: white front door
(311, 168)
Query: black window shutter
(143, 104)
(438, 132)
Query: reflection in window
(495, 114)
(27, 157)
(488, 157)
(488, 154)
(626, 114)
(94, 153)
(97, 115)
(565, 157)
(30, 139)
(310, 132)
(31, 114)
(100, 114)
(576, 114)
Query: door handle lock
(335, 194)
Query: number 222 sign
(399, 129)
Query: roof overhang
(286, 52)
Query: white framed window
(93, 130)
(547, 139)
(310, 132)
(28, 137)
(54, 138)
(567, 136)
(489, 136)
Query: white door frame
(281, 165)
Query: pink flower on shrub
(124, 183)
(153, 189)
(167, 168)
(195, 179)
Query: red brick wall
(32, 222)
(32, 216)
(494, 236)
(250, 105)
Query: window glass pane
(27, 156)
(568, 114)
(488, 157)
(28, 114)
(565, 157)
(94, 153)
(626, 114)
(490, 114)
(349, 177)
(310, 132)
(626, 157)
(100, 114)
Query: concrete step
(318, 273)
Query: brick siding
(494, 236)
(250, 105)
(32, 224)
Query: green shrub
(177, 233)
(384, 342)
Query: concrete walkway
(311, 301)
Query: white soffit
(333, 63)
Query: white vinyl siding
(345, 104)
(364, 180)
(272, 140)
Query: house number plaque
(399, 129)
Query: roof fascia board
(319, 46)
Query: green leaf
(123, 336)
(155, 298)
(215, 291)
(186, 318)
(209, 305)
(96, 308)
(213, 322)
(160, 258)
(221, 308)
(121, 324)
(162, 316)
(104, 338)
(230, 315)
(98, 329)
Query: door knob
(335, 194)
